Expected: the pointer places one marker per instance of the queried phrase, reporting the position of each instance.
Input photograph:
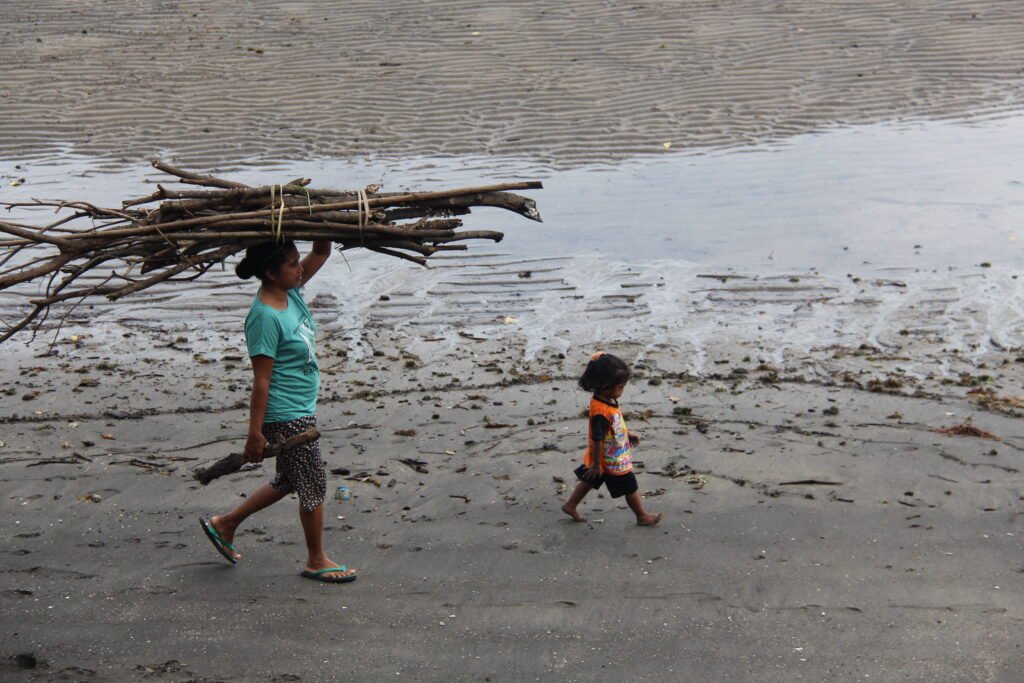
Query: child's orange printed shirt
(616, 452)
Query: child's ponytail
(604, 371)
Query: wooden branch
(234, 462)
(407, 257)
(219, 255)
(23, 323)
(240, 193)
(195, 229)
(32, 234)
(51, 266)
(397, 200)
(195, 178)
(472, 235)
(503, 200)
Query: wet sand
(573, 84)
(820, 524)
(817, 525)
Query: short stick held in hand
(234, 462)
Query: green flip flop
(321, 575)
(222, 546)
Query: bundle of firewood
(176, 235)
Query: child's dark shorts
(618, 484)
(302, 470)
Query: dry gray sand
(847, 513)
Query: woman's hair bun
(244, 268)
(262, 257)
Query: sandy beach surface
(836, 449)
(573, 83)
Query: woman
(280, 335)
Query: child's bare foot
(649, 520)
(571, 511)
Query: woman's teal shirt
(289, 337)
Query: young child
(608, 459)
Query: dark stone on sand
(26, 661)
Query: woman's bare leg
(226, 525)
(313, 528)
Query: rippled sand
(569, 83)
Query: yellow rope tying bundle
(363, 213)
(273, 229)
(278, 229)
(309, 200)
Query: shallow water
(846, 235)
(930, 195)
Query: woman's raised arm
(312, 261)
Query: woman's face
(289, 274)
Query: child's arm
(596, 469)
(598, 430)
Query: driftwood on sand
(178, 235)
(234, 462)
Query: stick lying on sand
(178, 235)
(234, 462)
